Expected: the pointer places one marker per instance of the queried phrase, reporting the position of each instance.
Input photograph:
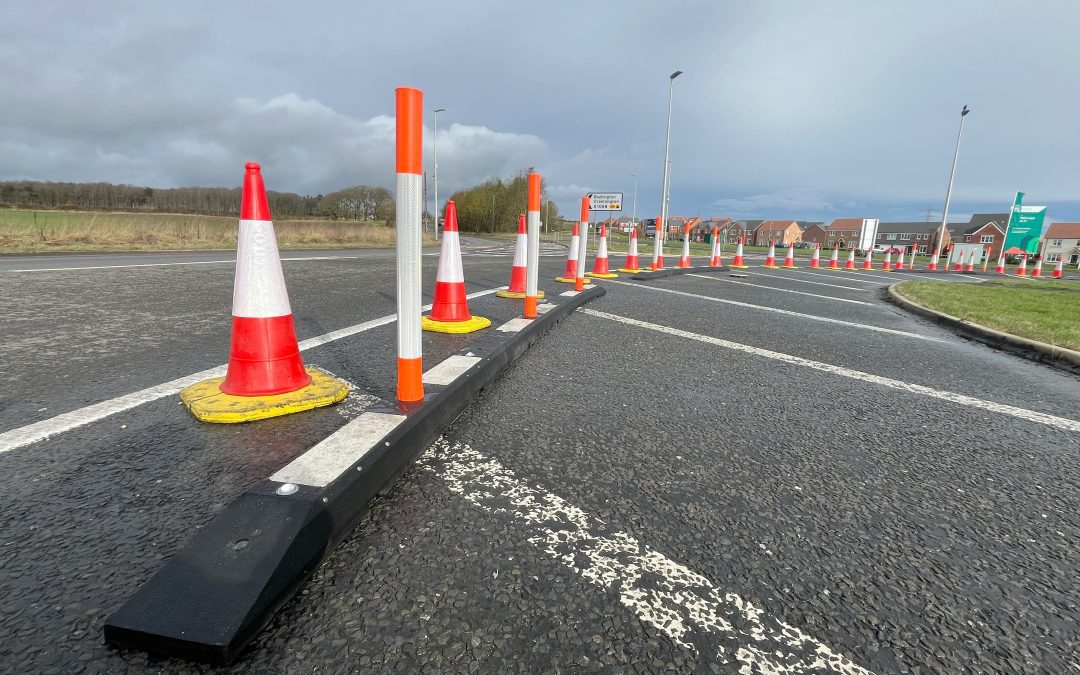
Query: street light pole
(948, 192)
(435, 158)
(662, 225)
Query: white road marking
(173, 264)
(1062, 423)
(837, 275)
(450, 369)
(514, 325)
(333, 455)
(806, 281)
(544, 307)
(782, 290)
(569, 294)
(776, 310)
(38, 431)
(671, 597)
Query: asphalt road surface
(766, 474)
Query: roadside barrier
(1021, 271)
(834, 260)
(570, 272)
(450, 308)
(887, 264)
(815, 259)
(583, 243)
(739, 263)
(632, 265)
(410, 188)
(532, 267)
(770, 260)
(1059, 269)
(868, 261)
(601, 269)
(714, 259)
(516, 289)
(789, 261)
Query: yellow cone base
(789, 267)
(771, 267)
(474, 324)
(208, 403)
(740, 267)
(517, 296)
(594, 275)
(570, 280)
(628, 271)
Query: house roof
(845, 224)
(911, 227)
(749, 225)
(1063, 231)
(977, 222)
(778, 224)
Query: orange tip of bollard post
(410, 381)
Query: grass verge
(1047, 311)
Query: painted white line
(805, 281)
(450, 369)
(173, 264)
(952, 397)
(783, 290)
(671, 597)
(544, 307)
(839, 276)
(38, 431)
(568, 294)
(333, 455)
(514, 325)
(787, 312)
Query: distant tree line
(494, 206)
(361, 202)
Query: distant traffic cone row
(450, 308)
(266, 376)
(739, 262)
(632, 265)
(714, 259)
(601, 267)
(815, 259)
(570, 272)
(770, 260)
(834, 260)
(516, 289)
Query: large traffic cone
(770, 260)
(684, 259)
(849, 264)
(1059, 269)
(868, 261)
(957, 260)
(789, 261)
(1000, 269)
(887, 264)
(570, 272)
(1021, 271)
(714, 259)
(632, 265)
(1037, 271)
(601, 269)
(815, 259)
(516, 289)
(739, 262)
(658, 252)
(900, 261)
(969, 266)
(266, 376)
(834, 260)
(450, 309)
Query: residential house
(744, 229)
(783, 232)
(987, 229)
(703, 229)
(843, 231)
(1063, 242)
(909, 236)
(815, 233)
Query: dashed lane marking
(782, 290)
(777, 310)
(38, 431)
(674, 599)
(1062, 423)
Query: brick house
(781, 231)
(910, 235)
(842, 231)
(987, 229)
(703, 229)
(1063, 242)
(744, 229)
(815, 233)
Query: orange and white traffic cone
(570, 272)
(770, 260)
(849, 264)
(632, 266)
(969, 266)
(1037, 270)
(868, 261)
(739, 262)
(957, 261)
(658, 252)
(789, 261)
(887, 263)
(450, 309)
(601, 269)
(834, 260)
(985, 259)
(266, 376)
(900, 261)
(684, 259)
(1021, 271)
(1059, 269)
(815, 259)
(516, 289)
(1000, 269)
(714, 259)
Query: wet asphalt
(906, 533)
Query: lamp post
(435, 158)
(948, 192)
(662, 225)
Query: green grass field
(1046, 310)
(36, 231)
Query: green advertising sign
(1025, 227)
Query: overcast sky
(811, 110)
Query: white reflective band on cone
(686, 246)
(532, 226)
(450, 259)
(259, 285)
(574, 247)
(633, 245)
(601, 248)
(520, 249)
(410, 187)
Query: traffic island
(214, 596)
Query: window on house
(986, 239)
(905, 236)
(1053, 257)
(967, 237)
(890, 237)
(1055, 242)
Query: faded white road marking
(782, 290)
(514, 325)
(1062, 423)
(174, 264)
(333, 455)
(450, 369)
(38, 431)
(776, 310)
(805, 281)
(673, 598)
(569, 294)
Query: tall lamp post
(435, 158)
(662, 225)
(948, 192)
